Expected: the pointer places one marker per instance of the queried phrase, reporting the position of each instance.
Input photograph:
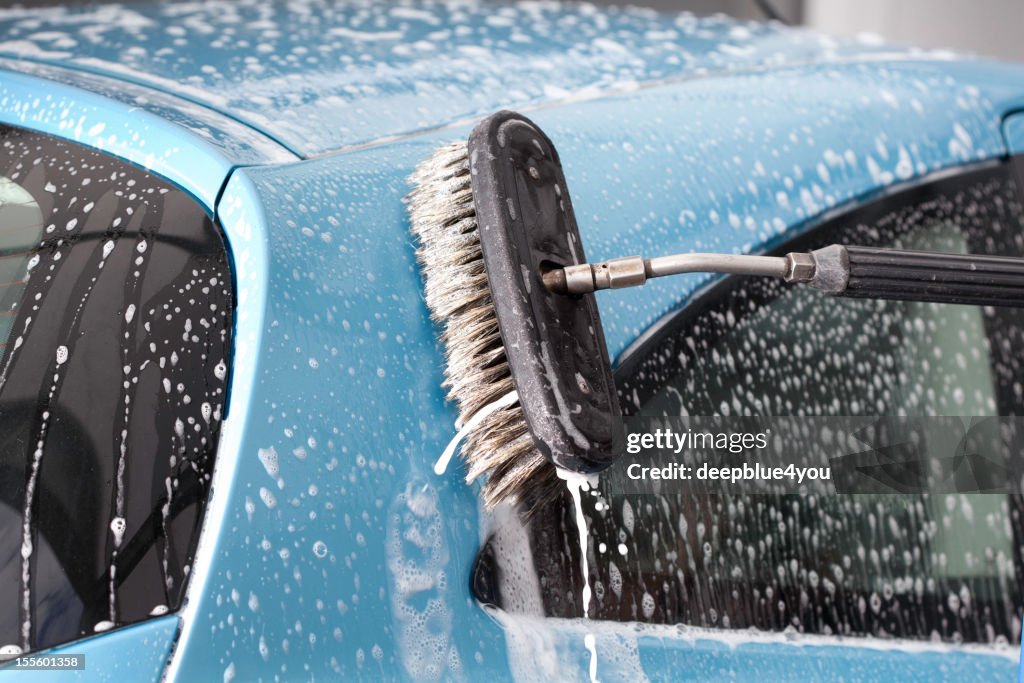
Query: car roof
(319, 76)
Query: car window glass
(932, 567)
(115, 332)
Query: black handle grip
(932, 276)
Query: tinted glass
(941, 567)
(22, 222)
(118, 306)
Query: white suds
(27, 528)
(118, 526)
(9, 652)
(591, 642)
(271, 463)
(575, 483)
(441, 466)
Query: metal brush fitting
(633, 271)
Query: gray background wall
(987, 27)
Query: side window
(116, 311)
(938, 567)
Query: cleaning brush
(507, 281)
(458, 295)
(528, 368)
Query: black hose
(928, 276)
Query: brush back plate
(554, 343)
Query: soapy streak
(564, 411)
(576, 483)
(441, 466)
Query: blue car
(220, 387)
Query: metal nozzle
(633, 271)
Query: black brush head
(554, 343)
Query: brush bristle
(458, 295)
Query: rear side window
(115, 332)
(930, 567)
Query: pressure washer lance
(526, 360)
(849, 271)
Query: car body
(296, 125)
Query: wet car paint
(1013, 130)
(135, 653)
(343, 318)
(320, 76)
(196, 149)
